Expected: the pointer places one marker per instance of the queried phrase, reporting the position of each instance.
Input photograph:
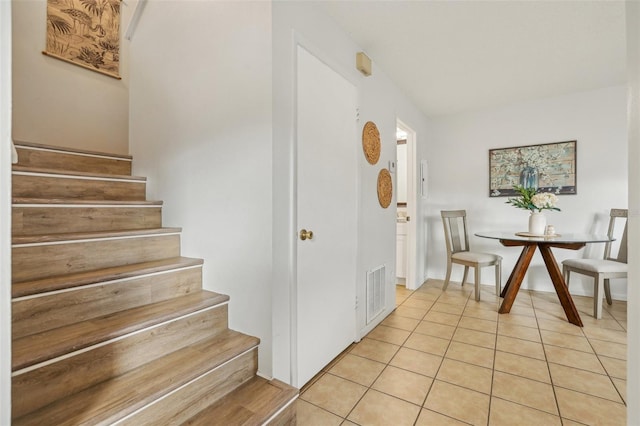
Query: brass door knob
(304, 234)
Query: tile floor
(444, 359)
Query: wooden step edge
(68, 150)
(73, 202)
(36, 171)
(106, 276)
(116, 399)
(46, 347)
(24, 240)
(256, 402)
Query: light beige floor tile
(431, 418)
(584, 381)
(571, 358)
(334, 394)
(435, 329)
(520, 347)
(621, 386)
(408, 312)
(392, 335)
(466, 375)
(416, 361)
(521, 320)
(615, 367)
(525, 392)
(506, 413)
(459, 403)
(345, 423)
(375, 350)
(357, 369)
(590, 409)
(338, 358)
(609, 349)
(379, 409)
(429, 344)
(609, 324)
(563, 340)
(442, 318)
(473, 337)
(478, 324)
(522, 310)
(418, 303)
(403, 323)
(518, 365)
(403, 384)
(559, 326)
(484, 313)
(459, 298)
(424, 296)
(448, 308)
(309, 414)
(519, 332)
(471, 354)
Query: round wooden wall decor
(385, 188)
(371, 142)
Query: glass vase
(529, 177)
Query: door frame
(411, 243)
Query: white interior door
(327, 206)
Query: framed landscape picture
(549, 167)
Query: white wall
(459, 179)
(381, 102)
(5, 213)
(201, 132)
(62, 104)
(633, 303)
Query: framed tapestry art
(549, 167)
(85, 33)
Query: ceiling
(456, 56)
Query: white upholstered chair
(457, 239)
(602, 270)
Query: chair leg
(498, 279)
(477, 270)
(565, 273)
(597, 298)
(464, 275)
(607, 291)
(446, 279)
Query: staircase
(110, 324)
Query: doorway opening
(406, 206)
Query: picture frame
(548, 167)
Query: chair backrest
(617, 217)
(455, 230)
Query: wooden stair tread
(253, 403)
(40, 347)
(75, 201)
(72, 236)
(115, 398)
(27, 288)
(59, 172)
(19, 144)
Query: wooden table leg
(561, 287)
(516, 277)
(510, 280)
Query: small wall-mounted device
(363, 63)
(392, 166)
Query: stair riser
(39, 261)
(60, 160)
(51, 186)
(65, 377)
(188, 401)
(53, 220)
(51, 311)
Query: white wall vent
(375, 292)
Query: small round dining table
(529, 243)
